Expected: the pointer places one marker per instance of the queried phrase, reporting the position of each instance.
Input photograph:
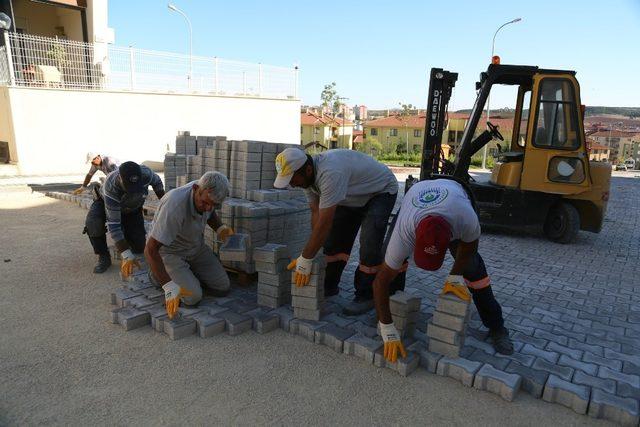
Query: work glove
(302, 268)
(392, 343)
(172, 295)
(456, 285)
(78, 191)
(129, 261)
(223, 232)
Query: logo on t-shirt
(430, 197)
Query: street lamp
(175, 9)
(493, 48)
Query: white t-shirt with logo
(440, 197)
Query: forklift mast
(441, 85)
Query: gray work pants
(192, 272)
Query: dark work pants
(476, 273)
(371, 219)
(132, 226)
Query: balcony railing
(35, 61)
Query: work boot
(359, 305)
(104, 262)
(501, 341)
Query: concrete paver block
(621, 410)
(462, 370)
(272, 268)
(445, 335)
(303, 313)
(236, 323)
(402, 302)
(403, 365)
(235, 248)
(305, 328)
(451, 304)
(361, 346)
(564, 372)
(271, 252)
(449, 321)
(306, 303)
(132, 318)
(207, 325)
(607, 385)
(498, 382)
(633, 380)
(280, 279)
(563, 392)
(307, 291)
(333, 336)
(533, 381)
(121, 294)
(286, 316)
(443, 348)
(179, 328)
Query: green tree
(370, 146)
(330, 99)
(405, 113)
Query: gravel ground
(62, 362)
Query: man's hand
(456, 285)
(392, 343)
(78, 191)
(223, 232)
(172, 295)
(129, 261)
(302, 268)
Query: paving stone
(306, 303)
(235, 248)
(526, 339)
(445, 335)
(443, 348)
(630, 368)
(497, 381)
(307, 291)
(207, 325)
(266, 322)
(286, 316)
(279, 279)
(563, 372)
(364, 329)
(140, 302)
(535, 351)
(594, 349)
(215, 310)
(272, 302)
(572, 396)
(633, 380)
(338, 320)
(607, 385)
(551, 337)
(481, 356)
(533, 380)
(361, 346)
(272, 291)
(272, 268)
(305, 328)
(236, 323)
(555, 347)
(615, 365)
(523, 359)
(132, 318)
(445, 320)
(302, 313)
(402, 302)
(611, 354)
(179, 328)
(462, 370)
(451, 304)
(481, 345)
(333, 336)
(121, 294)
(240, 307)
(627, 390)
(589, 368)
(621, 410)
(403, 365)
(270, 253)
(429, 360)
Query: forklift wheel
(563, 223)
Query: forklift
(543, 179)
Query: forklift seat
(511, 156)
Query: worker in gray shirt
(180, 261)
(348, 191)
(99, 162)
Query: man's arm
(87, 178)
(464, 253)
(315, 208)
(156, 184)
(114, 221)
(213, 221)
(152, 255)
(381, 292)
(319, 232)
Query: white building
(66, 89)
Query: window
(316, 131)
(417, 133)
(524, 119)
(566, 169)
(459, 136)
(452, 136)
(374, 132)
(393, 132)
(556, 125)
(301, 129)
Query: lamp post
(342, 98)
(493, 48)
(175, 9)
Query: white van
(630, 164)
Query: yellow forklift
(544, 178)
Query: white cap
(91, 155)
(287, 163)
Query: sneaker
(501, 341)
(104, 262)
(359, 305)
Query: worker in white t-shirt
(437, 215)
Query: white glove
(172, 294)
(127, 255)
(171, 290)
(388, 332)
(303, 265)
(454, 279)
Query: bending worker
(437, 215)
(119, 206)
(347, 191)
(180, 261)
(106, 164)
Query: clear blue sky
(380, 52)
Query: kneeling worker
(106, 164)
(436, 215)
(180, 261)
(119, 206)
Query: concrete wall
(6, 124)
(54, 128)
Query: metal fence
(52, 62)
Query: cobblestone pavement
(573, 310)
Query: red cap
(433, 234)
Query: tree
(331, 99)
(370, 146)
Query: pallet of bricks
(254, 207)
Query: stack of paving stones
(307, 300)
(446, 329)
(405, 311)
(273, 287)
(175, 166)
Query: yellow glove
(392, 343)
(223, 232)
(78, 191)
(302, 267)
(172, 295)
(455, 285)
(129, 261)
